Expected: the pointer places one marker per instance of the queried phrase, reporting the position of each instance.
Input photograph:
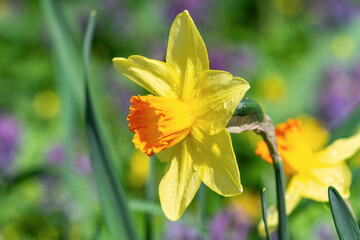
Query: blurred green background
(300, 58)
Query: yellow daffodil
(185, 121)
(311, 170)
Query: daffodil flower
(183, 120)
(311, 170)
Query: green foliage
(264, 213)
(111, 193)
(345, 223)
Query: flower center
(293, 147)
(158, 123)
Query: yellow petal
(216, 102)
(186, 53)
(155, 76)
(316, 135)
(293, 193)
(180, 183)
(215, 161)
(340, 150)
(318, 181)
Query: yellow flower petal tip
(184, 119)
(311, 172)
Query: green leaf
(345, 223)
(67, 58)
(69, 82)
(264, 213)
(111, 193)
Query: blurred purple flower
(197, 8)
(239, 60)
(231, 223)
(334, 12)
(56, 155)
(9, 140)
(179, 231)
(325, 232)
(119, 94)
(115, 12)
(157, 51)
(338, 95)
(83, 164)
(219, 59)
(110, 4)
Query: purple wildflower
(9, 140)
(334, 12)
(56, 154)
(83, 164)
(179, 231)
(325, 232)
(231, 223)
(199, 9)
(338, 95)
(120, 95)
(238, 60)
(219, 59)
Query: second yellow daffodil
(311, 170)
(183, 120)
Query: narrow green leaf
(111, 193)
(344, 221)
(68, 58)
(69, 81)
(264, 213)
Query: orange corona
(158, 123)
(288, 137)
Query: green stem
(280, 196)
(150, 197)
(269, 137)
(249, 117)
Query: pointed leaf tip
(344, 221)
